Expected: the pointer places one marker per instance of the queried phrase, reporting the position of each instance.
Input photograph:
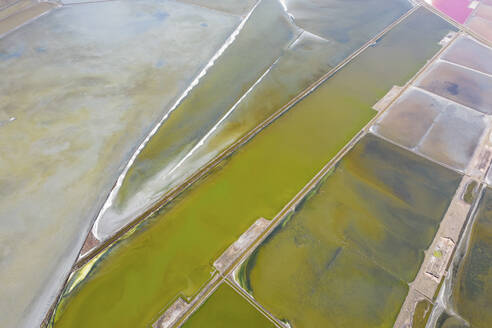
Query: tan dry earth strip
(15, 7)
(22, 13)
(387, 99)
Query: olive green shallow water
(172, 253)
(226, 308)
(240, 85)
(472, 293)
(345, 257)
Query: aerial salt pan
(469, 53)
(434, 127)
(169, 254)
(472, 290)
(85, 84)
(445, 115)
(355, 242)
(277, 67)
(480, 21)
(464, 86)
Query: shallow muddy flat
(453, 138)
(85, 85)
(172, 252)
(17, 15)
(481, 26)
(470, 53)
(409, 118)
(435, 127)
(485, 11)
(226, 308)
(257, 75)
(263, 38)
(344, 257)
(459, 84)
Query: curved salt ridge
(284, 5)
(233, 108)
(119, 181)
(226, 115)
(99, 227)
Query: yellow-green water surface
(242, 89)
(226, 308)
(172, 252)
(345, 257)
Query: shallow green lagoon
(226, 308)
(241, 90)
(344, 258)
(472, 292)
(172, 252)
(81, 87)
(262, 39)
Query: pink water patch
(456, 9)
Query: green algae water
(345, 257)
(171, 253)
(472, 292)
(192, 135)
(226, 308)
(259, 42)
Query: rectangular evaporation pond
(458, 10)
(470, 53)
(481, 26)
(472, 292)
(171, 253)
(436, 127)
(454, 136)
(484, 10)
(346, 255)
(409, 118)
(459, 84)
(226, 308)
